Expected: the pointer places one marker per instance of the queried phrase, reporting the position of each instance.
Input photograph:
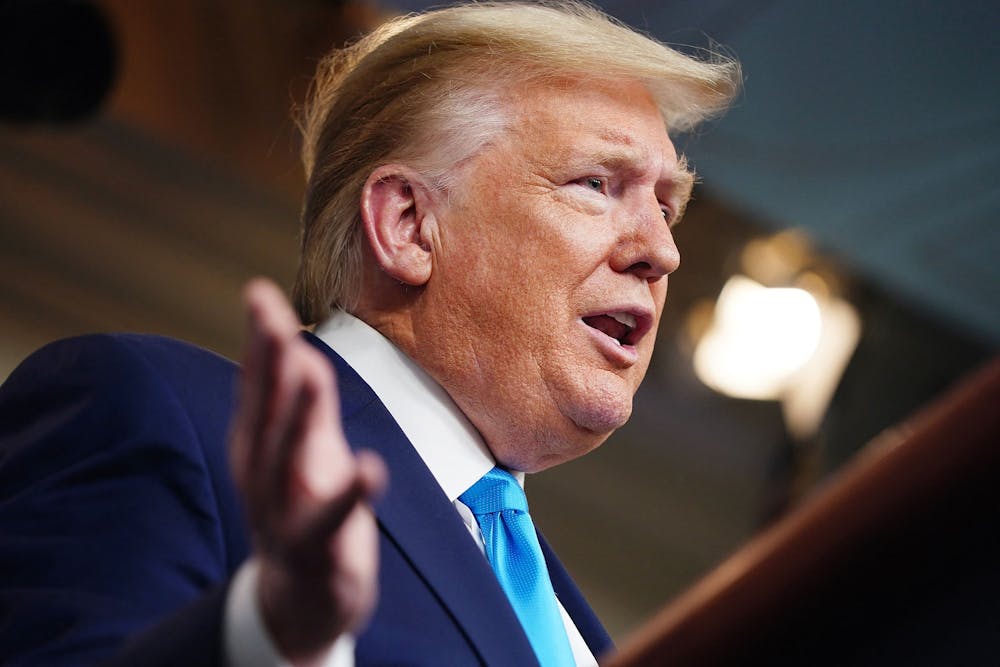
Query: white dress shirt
(442, 436)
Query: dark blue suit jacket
(120, 526)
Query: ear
(397, 210)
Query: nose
(647, 248)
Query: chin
(553, 446)
(601, 411)
(588, 427)
(579, 421)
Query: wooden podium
(896, 561)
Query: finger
(267, 304)
(255, 378)
(369, 481)
(297, 427)
(258, 377)
(300, 396)
(310, 549)
(372, 473)
(283, 405)
(270, 327)
(307, 444)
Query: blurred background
(840, 256)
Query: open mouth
(620, 327)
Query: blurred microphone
(58, 61)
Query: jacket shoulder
(112, 454)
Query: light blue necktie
(500, 507)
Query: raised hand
(305, 492)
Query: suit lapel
(416, 515)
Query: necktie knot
(495, 491)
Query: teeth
(617, 342)
(625, 318)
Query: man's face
(550, 271)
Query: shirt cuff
(246, 641)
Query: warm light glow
(760, 339)
(811, 390)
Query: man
(485, 256)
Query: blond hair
(426, 90)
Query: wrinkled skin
(565, 217)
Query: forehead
(575, 119)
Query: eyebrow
(617, 137)
(683, 181)
(683, 178)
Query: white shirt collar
(444, 438)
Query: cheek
(659, 292)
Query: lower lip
(620, 355)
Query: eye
(595, 183)
(670, 216)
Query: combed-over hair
(426, 90)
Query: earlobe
(398, 217)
